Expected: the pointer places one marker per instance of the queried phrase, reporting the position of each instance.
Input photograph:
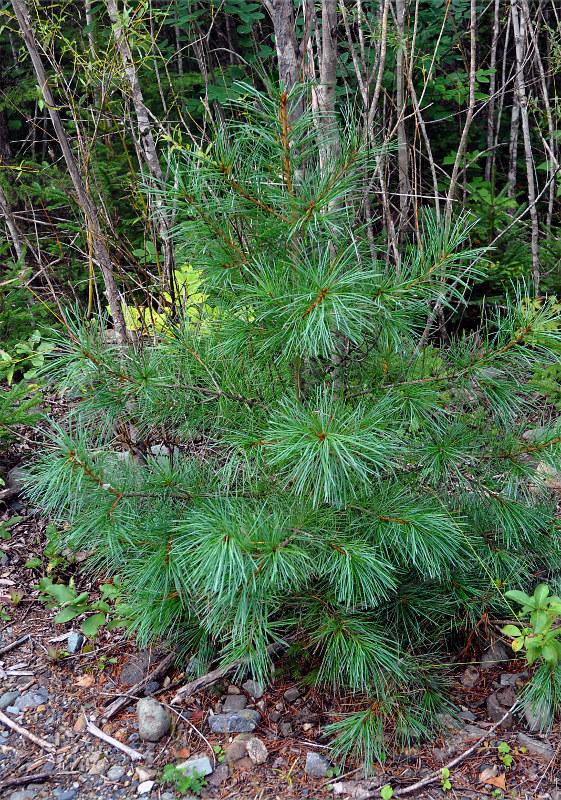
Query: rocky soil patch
(244, 740)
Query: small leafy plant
(5, 527)
(505, 755)
(27, 356)
(386, 792)
(182, 782)
(539, 639)
(445, 779)
(71, 605)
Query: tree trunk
(147, 143)
(94, 234)
(519, 30)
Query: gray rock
(285, 729)
(513, 678)
(497, 711)
(254, 689)
(537, 722)
(220, 775)
(292, 694)
(237, 748)
(116, 773)
(64, 794)
(32, 699)
(151, 687)
(235, 721)
(136, 668)
(316, 766)
(8, 699)
(23, 794)
(234, 702)
(12, 710)
(199, 765)
(467, 715)
(75, 642)
(153, 721)
(493, 656)
(257, 751)
(168, 796)
(535, 746)
(470, 678)
(18, 478)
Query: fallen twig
(31, 736)
(15, 644)
(217, 674)
(438, 775)
(134, 755)
(125, 698)
(7, 494)
(194, 728)
(546, 770)
(38, 777)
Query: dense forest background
(463, 95)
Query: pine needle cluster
(329, 473)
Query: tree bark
(147, 143)
(94, 233)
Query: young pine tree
(333, 476)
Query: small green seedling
(497, 793)
(5, 527)
(219, 752)
(182, 782)
(333, 772)
(15, 596)
(386, 792)
(505, 755)
(539, 638)
(445, 779)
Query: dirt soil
(69, 763)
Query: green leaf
(386, 792)
(67, 614)
(539, 621)
(511, 630)
(91, 625)
(520, 597)
(541, 594)
(33, 562)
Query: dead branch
(125, 698)
(5, 719)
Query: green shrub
(332, 476)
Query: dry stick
(546, 770)
(134, 755)
(437, 776)
(6, 494)
(14, 644)
(125, 698)
(217, 674)
(31, 736)
(24, 779)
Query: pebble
(535, 746)
(470, 678)
(254, 689)
(144, 788)
(257, 751)
(493, 655)
(116, 773)
(8, 698)
(292, 694)
(236, 721)
(233, 689)
(23, 794)
(153, 721)
(75, 642)
(196, 766)
(234, 702)
(151, 687)
(17, 478)
(511, 678)
(168, 796)
(64, 794)
(136, 668)
(316, 766)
